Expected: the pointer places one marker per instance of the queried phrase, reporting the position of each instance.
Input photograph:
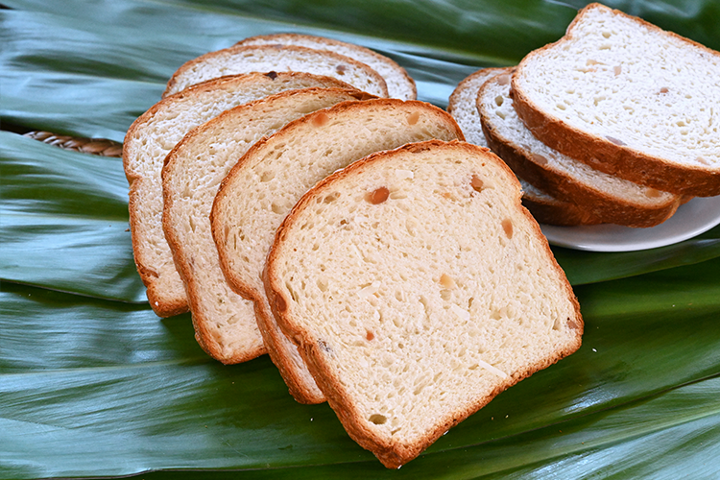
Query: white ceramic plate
(695, 217)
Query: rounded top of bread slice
(419, 288)
(627, 98)
(262, 58)
(462, 104)
(399, 83)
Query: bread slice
(224, 322)
(547, 209)
(262, 58)
(413, 310)
(627, 98)
(151, 137)
(399, 83)
(264, 185)
(605, 196)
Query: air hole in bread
(617, 69)
(507, 227)
(572, 324)
(369, 335)
(378, 419)
(340, 69)
(503, 79)
(499, 100)
(266, 176)
(560, 106)
(277, 208)
(377, 196)
(331, 198)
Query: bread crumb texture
(427, 303)
(612, 68)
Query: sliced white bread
(399, 83)
(627, 98)
(545, 208)
(263, 58)
(607, 197)
(224, 322)
(151, 137)
(267, 181)
(413, 310)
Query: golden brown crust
(598, 204)
(284, 38)
(341, 59)
(394, 455)
(601, 153)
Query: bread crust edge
(603, 154)
(393, 455)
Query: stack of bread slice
(614, 121)
(386, 265)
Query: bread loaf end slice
(419, 288)
(264, 185)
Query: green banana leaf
(93, 384)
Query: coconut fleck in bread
(419, 288)
(147, 142)
(607, 197)
(224, 322)
(262, 58)
(544, 207)
(264, 185)
(399, 83)
(627, 98)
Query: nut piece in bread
(151, 137)
(399, 83)
(264, 185)
(224, 322)
(419, 288)
(627, 98)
